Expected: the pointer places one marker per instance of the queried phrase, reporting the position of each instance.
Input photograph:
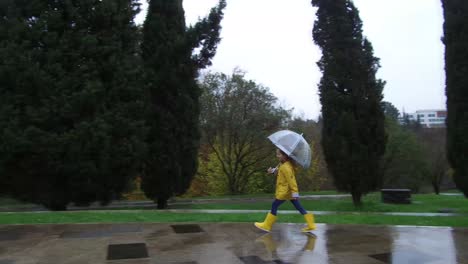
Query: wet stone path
(240, 243)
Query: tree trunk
(356, 198)
(56, 206)
(435, 185)
(162, 202)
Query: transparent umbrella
(294, 145)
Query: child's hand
(271, 170)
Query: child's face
(281, 157)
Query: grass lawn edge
(116, 217)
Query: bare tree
(434, 141)
(236, 117)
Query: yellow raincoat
(286, 185)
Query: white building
(428, 118)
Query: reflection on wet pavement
(238, 243)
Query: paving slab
(238, 243)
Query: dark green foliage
(69, 100)
(411, 124)
(405, 120)
(172, 93)
(390, 110)
(353, 135)
(456, 69)
(405, 164)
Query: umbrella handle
(274, 170)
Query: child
(286, 189)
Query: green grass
(429, 203)
(452, 191)
(164, 217)
(368, 214)
(371, 203)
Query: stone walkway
(225, 243)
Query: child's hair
(293, 162)
(284, 154)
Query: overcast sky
(272, 41)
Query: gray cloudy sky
(272, 41)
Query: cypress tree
(390, 110)
(21, 90)
(456, 68)
(353, 135)
(70, 100)
(170, 76)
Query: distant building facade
(428, 118)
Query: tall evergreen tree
(390, 110)
(353, 135)
(70, 102)
(456, 69)
(171, 69)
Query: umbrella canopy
(294, 145)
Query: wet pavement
(240, 243)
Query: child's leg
(308, 217)
(299, 207)
(276, 204)
(271, 217)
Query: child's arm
(290, 177)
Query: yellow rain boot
(310, 223)
(310, 244)
(267, 224)
(268, 242)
